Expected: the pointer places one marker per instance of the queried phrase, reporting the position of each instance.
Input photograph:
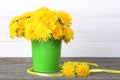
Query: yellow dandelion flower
(65, 18)
(13, 29)
(29, 32)
(57, 32)
(50, 20)
(21, 28)
(43, 33)
(67, 34)
(41, 12)
(20, 32)
(14, 19)
(82, 70)
(30, 29)
(68, 69)
(39, 32)
(52, 23)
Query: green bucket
(46, 55)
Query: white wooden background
(96, 25)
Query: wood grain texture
(15, 69)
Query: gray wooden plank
(15, 69)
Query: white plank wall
(96, 25)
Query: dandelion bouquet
(42, 25)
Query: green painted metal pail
(46, 55)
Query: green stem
(105, 70)
(90, 63)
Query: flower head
(40, 32)
(13, 30)
(67, 34)
(65, 18)
(82, 70)
(68, 69)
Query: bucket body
(46, 55)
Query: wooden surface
(15, 69)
